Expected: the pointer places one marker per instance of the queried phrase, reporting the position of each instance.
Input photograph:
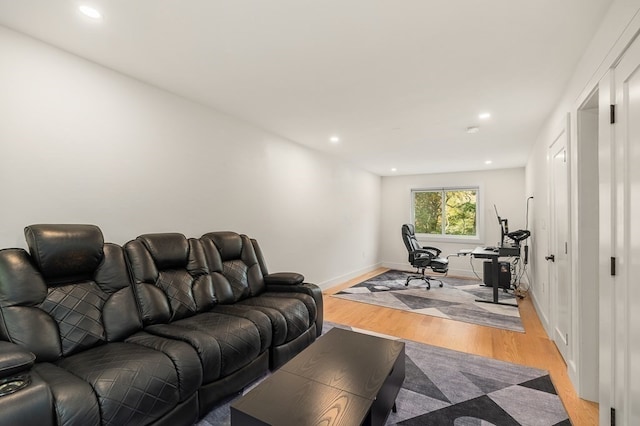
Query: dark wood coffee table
(344, 378)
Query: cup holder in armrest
(13, 384)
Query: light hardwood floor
(532, 348)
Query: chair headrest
(408, 229)
(65, 251)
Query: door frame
(585, 243)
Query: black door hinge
(612, 114)
(613, 266)
(613, 416)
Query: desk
(481, 253)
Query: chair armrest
(14, 360)
(437, 250)
(283, 278)
(429, 253)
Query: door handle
(550, 257)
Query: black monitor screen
(504, 227)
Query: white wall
(617, 29)
(80, 143)
(504, 188)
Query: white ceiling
(398, 80)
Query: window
(446, 212)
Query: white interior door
(627, 238)
(560, 284)
(607, 229)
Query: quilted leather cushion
(134, 384)
(74, 401)
(77, 309)
(262, 322)
(305, 298)
(294, 311)
(178, 286)
(236, 271)
(238, 338)
(182, 355)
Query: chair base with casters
(427, 278)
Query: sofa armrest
(26, 400)
(14, 360)
(307, 288)
(283, 278)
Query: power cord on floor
(517, 269)
(473, 269)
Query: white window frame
(478, 238)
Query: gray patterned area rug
(456, 300)
(445, 387)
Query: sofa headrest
(65, 251)
(229, 244)
(20, 282)
(168, 250)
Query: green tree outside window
(446, 212)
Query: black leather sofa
(156, 332)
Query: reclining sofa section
(157, 332)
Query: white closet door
(559, 281)
(627, 287)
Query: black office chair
(422, 257)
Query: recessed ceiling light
(484, 116)
(473, 129)
(334, 139)
(393, 169)
(90, 11)
(488, 162)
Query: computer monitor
(504, 226)
(516, 236)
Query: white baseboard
(398, 266)
(326, 285)
(541, 315)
